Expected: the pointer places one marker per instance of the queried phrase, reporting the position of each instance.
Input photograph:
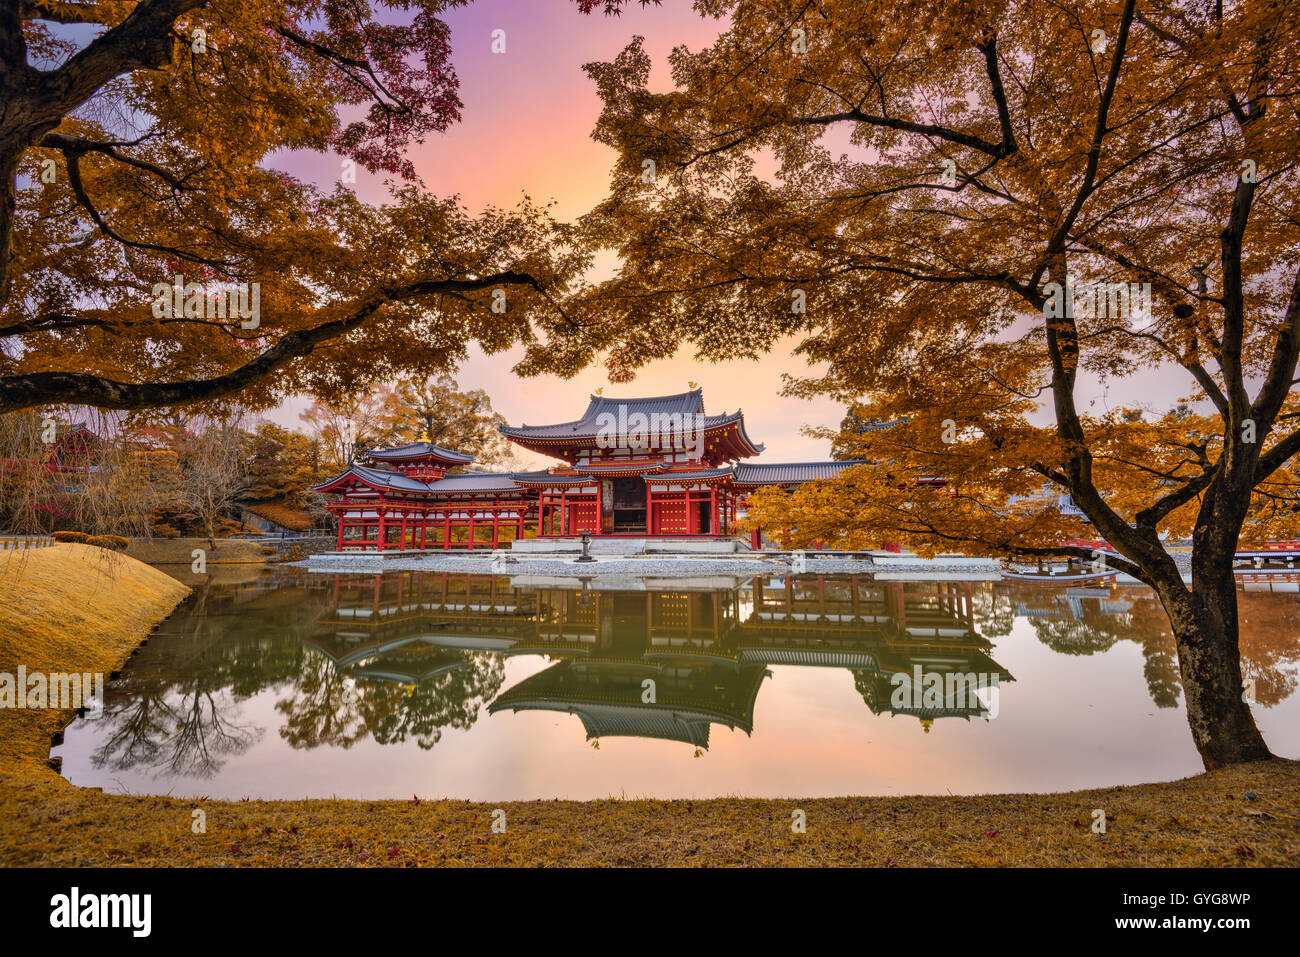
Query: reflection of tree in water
(993, 611)
(1100, 625)
(1270, 644)
(449, 700)
(191, 739)
(1269, 628)
(139, 727)
(318, 713)
(176, 709)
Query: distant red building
(647, 467)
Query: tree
(437, 411)
(941, 199)
(281, 465)
(27, 485)
(370, 420)
(148, 153)
(212, 476)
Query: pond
(295, 684)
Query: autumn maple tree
(917, 198)
(436, 410)
(154, 147)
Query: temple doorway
(629, 504)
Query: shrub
(114, 542)
(79, 538)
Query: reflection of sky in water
(242, 677)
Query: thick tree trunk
(1204, 623)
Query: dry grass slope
(69, 608)
(179, 551)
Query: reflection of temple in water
(412, 627)
(1072, 603)
(663, 664)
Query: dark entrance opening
(629, 504)
(705, 514)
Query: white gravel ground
(650, 565)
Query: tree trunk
(1204, 623)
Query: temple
(647, 467)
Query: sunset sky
(526, 128)
(528, 116)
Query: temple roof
(545, 477)
(420, 450)
(778, 473)
(684, 403)
(475, 482)
(397, 482)
(699, 475)
(589, 428)
(622, 468)
(375, 478)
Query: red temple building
(649, 467)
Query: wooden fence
(25, 541)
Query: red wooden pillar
(382, 531)
(713, 509)
(341, 522)
(564, 512)
(446, 529)
(469, 539)
(402, 547)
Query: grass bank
(69, 608)
(79, 608)
(180, 551)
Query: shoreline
(636, 572)
(1204, 820)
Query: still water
(296, 685)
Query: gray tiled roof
(475, 482)
(778, 473)
(545, 477)
(684, 403)
(393, 480)
(417, 450)
(690, 476)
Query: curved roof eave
(415, 450)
